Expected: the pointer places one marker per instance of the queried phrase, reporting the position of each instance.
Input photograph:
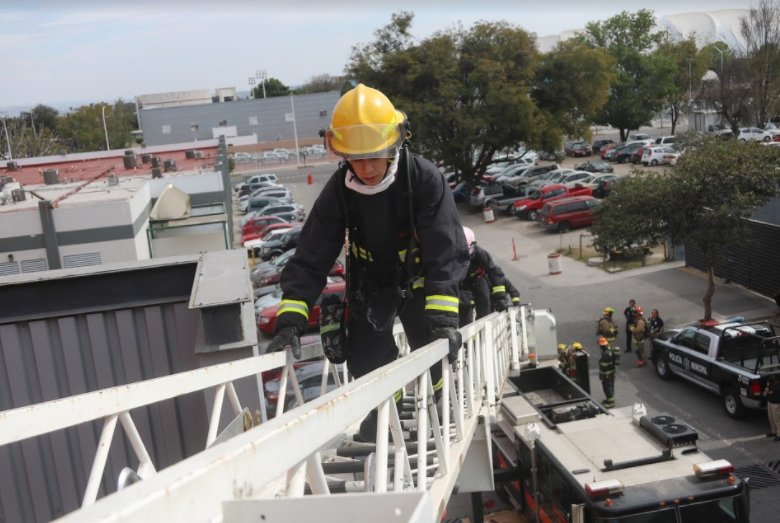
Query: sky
(77, 51)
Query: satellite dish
(173, 204)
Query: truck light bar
(708, 323)
(604, 488)
(713, 468)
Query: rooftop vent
(667, 430)
(113, 180)
(12, 166)
(51, 176)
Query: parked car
(261, 202)
(280, 196)
(638, 136)
(598, 144)
(257, 244)
(255, 178)
(262, 266)
(569, 179)
(283, 153)
(271, 157)
(480, 194)
(623, 154)
(309, 378)
(532, 174)
(260, 191)
(636, 156)
(655, 155)
(606, 148)
(595, 167)
(249, 188)
(277, 246)
(597, 178)
(263, 234)
(273, 275)
(575, 149)
(548, 177)
(529, 208)
(566, 213)
(772, 128)
(664, 140)
(241, 157)
(511, 172)
(754, 134)
(259, 223)
(604, 188)
(292, 212)
(505, 204)
(499, 168)
(267, 317)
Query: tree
(691, 65)
(691, 205)
(643, 74)
(730, 93)
(26, 143)
(273, 87)
(468, 92)
(760, 30)
(42, 116)
(321, 83)
(82, 129)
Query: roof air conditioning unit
(156, 172)
(130, 152)
(51, 176)
(6, 179)
(170, 166)
(198, 154)
(17, 195)
(12, 166)
(189, 155)
(146, 158)
(113, 180)
(129, 162)
(156, 161)
(667, 430)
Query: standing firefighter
(607, 328)
(640, 335)
(406, 253)
(570, 366)
(562, 356)
(481, 267)
(608, 363)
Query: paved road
(577, 298)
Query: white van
(665, 140)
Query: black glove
(452, 335)
(503, 303)
(287, 336)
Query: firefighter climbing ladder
(264, 472)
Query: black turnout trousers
(369, 350)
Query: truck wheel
(533, 215)
(662, 367)
(733, 403)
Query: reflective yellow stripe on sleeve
(419, 283)
(499, 288)
(515, 300)
(438, 385)
(293, 306)
(441, 303)
(330, 328)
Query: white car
(754, 134)
(575, 178)
(283, 153)
(772, 128)
(551, 177)
(655, 155)
(273, 235)
(639, 137)
(512, 172)
(257, 178)
(595, 178)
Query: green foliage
(702, 202)
(690, 66)
(25, 141)
(468, 93)
(643, 73)
(82, 129)
(231, 164)
(273, 87)
(321, 83)
(43, 116)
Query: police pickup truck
(731, 359)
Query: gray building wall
(312, 112)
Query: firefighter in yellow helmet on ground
(407, 252)
(608, 364)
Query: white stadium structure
(711, 26)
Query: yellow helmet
(561, 347)
(609, 310)
(365, 125)
(576, 346)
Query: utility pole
(295, 131)
(105, 129)
(252, 82)
(32, 121)
(262, 76)
(7, 139)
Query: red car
(258, 223)
(266, 319)
(636, 156)
(274, 274)
(259, 235)
(575, 149)
(529, 207)
(561, 215)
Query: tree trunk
(674, 115)
(710, 285)
(623, 135)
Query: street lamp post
(252, 82)
(105, 129)
(262, 76)
(7, 140)
(721, 60)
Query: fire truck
(562, 457)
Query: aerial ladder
(304, 462)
